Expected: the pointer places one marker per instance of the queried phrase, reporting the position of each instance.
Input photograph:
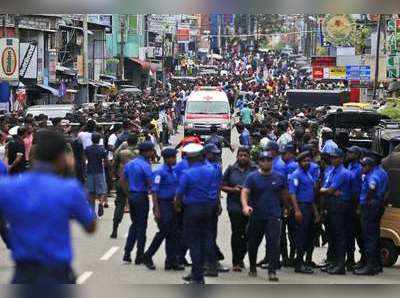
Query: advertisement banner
(32, 68)
(9, 55)
(318, 73)
(53, 59)
(337, 73)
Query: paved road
(98, 258)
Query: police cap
(211, 148)
(265, 155)
(169, 152)
(272, 146)
(303, 155)
(337, 152)
(146, 146)
(192, 149)
(368, 161)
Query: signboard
(31, 72)
(353, 72)
(323, 61)
(53, 59)
(365, 73)
(183, 34)
(337, 73)
(162, 23)
(345, 51)
(318, 73)
(9, 55)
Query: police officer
(301, 191)
(164, 187)
(137, 180)
(261, 198)
(121, 158)
(197, 191)
(212, 153)
(37, 207)
(355, 168)
(288, 153)
(337, 191)
(373, 190)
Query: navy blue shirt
(95, 155)
(197, 184)
(339, 178)
(165, 183)
(265, 194)
(290, 167)
(39, 215)
(181, 166)
(234, 176)
(376, 180)
(139, 175)
(301, 184)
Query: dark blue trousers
(198, 224)
(271, 229)
(303, 231)
(139, 213)
(371, 218)
(339, 219)
(32, 273)
(167, 226)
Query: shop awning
(52, 90)
(146, 65)
(75, 28)
(66, 70)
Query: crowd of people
(292, 183)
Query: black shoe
(105, 205)
(221, 268)
(366, 270)
(139, 260)
(211, 272)
(174, 267)
(359, 265)
(187, 277)
(378, 270)
(350, 266)
(114, 234)
(327, 267)
(311, 264)
(148, 262)
(196, 282)
(253, 273)
(303, 269)
(272, 276)
(337, 270)
(127, 258)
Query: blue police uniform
(244, 138)
(265, 220)
(339, 211)
(164, 185)
(139, 175)
(38, 217)
(182, 246)
(301, 185)
(355, 169)
(279, 166)
(377, 181)
(214, 250)
(3, 225)
(197, 187)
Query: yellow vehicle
(359, 105)
(390, 223)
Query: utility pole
(85, 60)
(121, 73)
(378, 45)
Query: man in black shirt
(16, 153)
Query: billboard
(9, 55)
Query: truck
(298, 98)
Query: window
(203, 107)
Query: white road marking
(109, 253)
(84, 277)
